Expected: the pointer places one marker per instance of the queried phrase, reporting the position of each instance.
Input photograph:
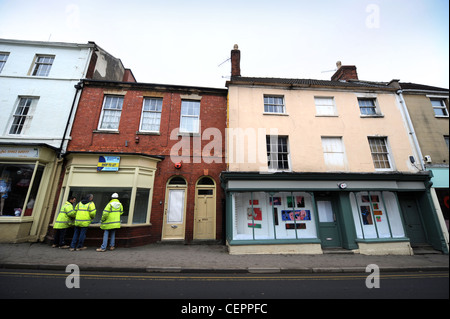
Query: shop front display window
(376, 215)
(102, 196)
(19, 185)
(273, 216)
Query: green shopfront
(307, 213)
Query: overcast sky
(186, 41)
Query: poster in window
(366, 216)
(288, 215)
(276, 201)
(256, 215)
(300, 201)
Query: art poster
(255, 215)
(366, 216)
(289, 215)
(300, 201)
(276, 201)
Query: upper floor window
(190, 116)
(151, 115)
(274, 104)
(367, 106)
(325, 106)
(22, 115)
(42, 65)
(3, 57)
(333, 152)
(380, 153)
(112, 109)
(277, 152)
(439, 107)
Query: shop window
(141, 206)
(102, 196)
(284, 215)
(19, 185)
(376, 215)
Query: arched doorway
(174, 221)
(205, 209)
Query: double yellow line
(237, 277)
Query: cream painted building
(315, 165)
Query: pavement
(178, 258)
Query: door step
(341, 251)
(425, 250)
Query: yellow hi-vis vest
(63, 220)
(111, 215)
(84, 214)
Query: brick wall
(87, 138)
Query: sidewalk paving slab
(157, 258)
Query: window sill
(276, 114)
(371, 116)
(106, 131)
(441, 116)
(319, 115)
(147, 133)
(188, 134)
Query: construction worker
(83, 213)
(111, 222)
(63, 221)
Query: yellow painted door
(174, 214)
(205, 214)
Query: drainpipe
(411, 128)
(78, 87)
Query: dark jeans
(79, 235)
(59, 237)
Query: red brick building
(161, 147)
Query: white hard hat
(115, 195)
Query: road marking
(236, 277)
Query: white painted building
(39, 93)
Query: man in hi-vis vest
(83, 213)
(62, 222)
(111, 222)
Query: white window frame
(375, 106)
(442, 107)
(325, 109)
(42, 67)
(387, 153)
(274, 102)
(105, 110)
(273, 153)
(23, 115)
(331, 153)
(3, 58)
(157, 111)
(186, 113)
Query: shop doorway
(174, 222)
(413, 222)
(205, 209)
(328, 224)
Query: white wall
(55, 92)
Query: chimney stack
(235, 61)
(344, 72)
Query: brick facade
(86, 137)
